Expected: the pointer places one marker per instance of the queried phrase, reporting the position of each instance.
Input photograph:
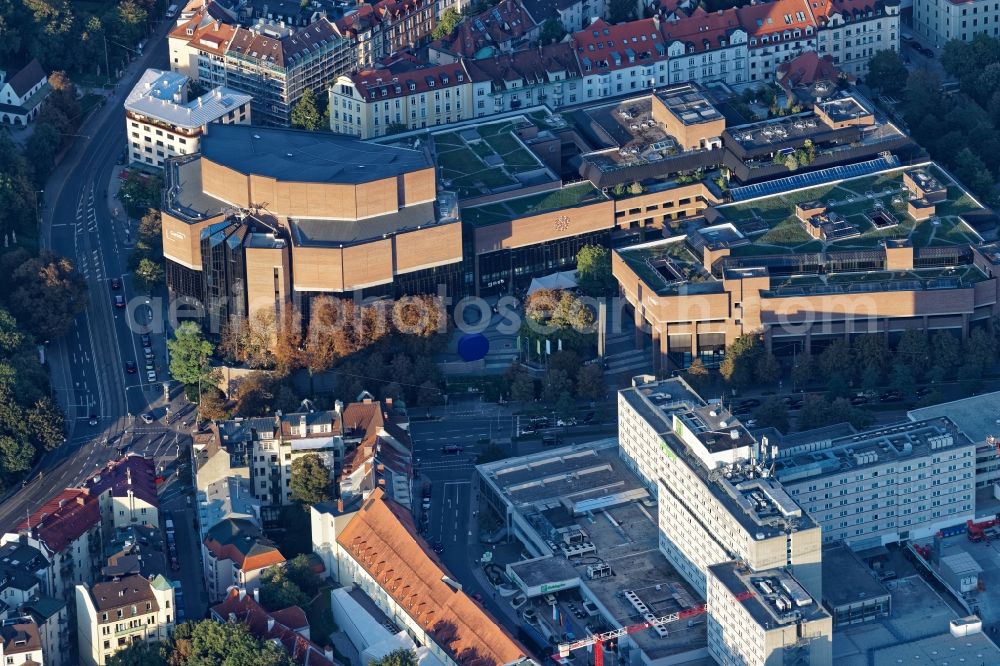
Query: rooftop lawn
(501, 211)
(639, 258)
(852, 199)
(462, 162)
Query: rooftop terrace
(669, 267)
(534, 204)
(689, 105)
(853, 199)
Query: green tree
(278, 591)
(400, 657)
(447, 23)
(872, 351)
(554, 385)
(46, 423)
(299, 570)
(310, 482)
(913, 351)
(522, 387)
(565, 407)
(45, 294)
(836, 360)
(887, 73)
(902, 379)
(740, 362)
(620, 11)
(946, 352)
(552, 31)
(16, 454)
(590, 383)
(210, 643)
(981, 349)
(305, 114)
(148, 275)
(139, 653)
(189, 353)
(42, 148)
(768, 369)
(772, 413)
(593, 267)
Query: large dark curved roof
(301, 156)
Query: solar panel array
(802, 180)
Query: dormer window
(413, 86)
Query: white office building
(161, 122)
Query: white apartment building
(161, 122)
(236, 553)
(550, 76)
(852, 31)
(765, 618)
(903, 481)
(111, 616)
(939, 21)
(375, 102)
(716, 500)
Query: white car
(150, 376)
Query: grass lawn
(448, 139)
(459, 160)
(481, 148)
(504, 144)
(789, 232)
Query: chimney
(338, 406)
(302, 424)
(256, 595)
(328, 651)
(243, 593)
(340, 506)
(270, 623)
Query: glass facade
(510, 271)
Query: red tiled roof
(399, 80)
(63, 519)
(250, 613)
(705, 32)
(824, 10)
(530, 65)
(381, 537)
(241, 541)
(205, 33)
(507, 22)
(806, 69)
(609, 47)
(769, 18)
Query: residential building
(386, 27)
(66, 530)
(852, 31)
(288, 627)
(809, 78)
(420, 597)
(939, 21)
(399, 96)
(364, 445)
(22, 576)
(257, 202)
(704, 48)
(715, 504)
(22, 93)
(765, 618)
(20, 642)
(503, 28)
(49, 615)
(777, 31)
(900, 482)
(127, 494)
(235, 552)
(161, 122)
(113, 615)
(273, 63)
(572, 15)
(549, 75)
(231, 497)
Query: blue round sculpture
(473, 346)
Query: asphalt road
(88, 365)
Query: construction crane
(598, 640)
